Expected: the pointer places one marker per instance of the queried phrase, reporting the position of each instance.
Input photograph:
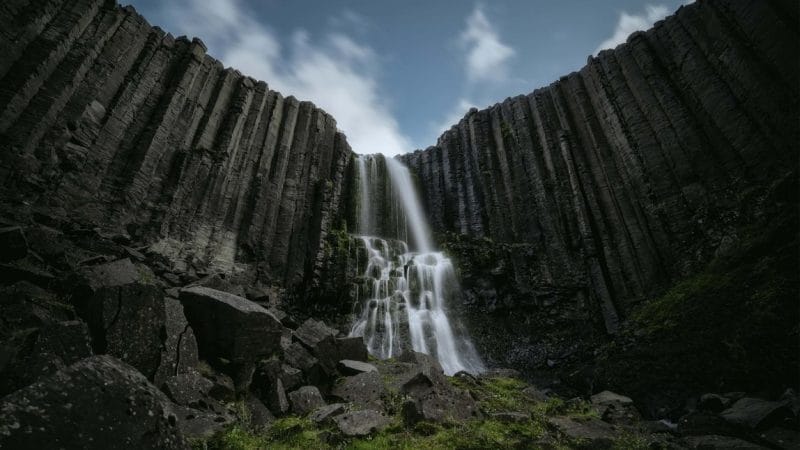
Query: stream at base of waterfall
(403, 298)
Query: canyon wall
(568, 207)
(106, 121)
(565, 210)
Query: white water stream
(404, 299)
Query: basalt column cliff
(107, 121)
(569, 207)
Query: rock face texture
(565, 210)
(573, 204)
(106, 120)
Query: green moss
(496, 393)
(235, 438)
(295, 432)
(668, 311)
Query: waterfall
(403, 298)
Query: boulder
(13, 243)
(534, 394)
(350, 367)
(305, 400)
(755, 413)
(97, 403)
(325, 413)
(274, 394)
(713, 403)
(230, 327)
(259, 416)
(441, 406)
(297, 356)
(364, 389)
(125, 312)
(352, 348)
(361, 423)
(180, 354)
(594, 433)
(201, 424)
(39, 352)
(615, 408)
(312, 332)
(188, 389)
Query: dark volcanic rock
(305, 400)
(756, 413)
(349, 367)
(352, 348)
(35, 353)
(364, 389)
(125, 312)
(361, 423)
(61, 411)
(230, 327)
(180, 354)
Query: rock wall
(569, 206)
(106, 120)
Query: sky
(396, 74)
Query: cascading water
(404, 296)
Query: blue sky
(395, 74)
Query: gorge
(633, 227)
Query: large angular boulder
(431, 396)
(352, 348)
(361, 423)
(125, 312)
(179, 354)
(305, 400)
(312, 332)
(615, 408)
(592, 433)
(297, 356)
(230, 327)
(756, 413)
(188, 389)
(97, 403)
(364, 389)
(350, 367)
(39, 352)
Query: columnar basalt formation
(106, 120)
(594, 193)
(564, 210)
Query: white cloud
(337, 73)
(628, 23)
(487, 55)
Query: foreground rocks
(99, 402)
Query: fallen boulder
(61, 411)
(305, 400)
(125, 312)
(361, 423)
(230, 327)
(755, 413)
(350, 367)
